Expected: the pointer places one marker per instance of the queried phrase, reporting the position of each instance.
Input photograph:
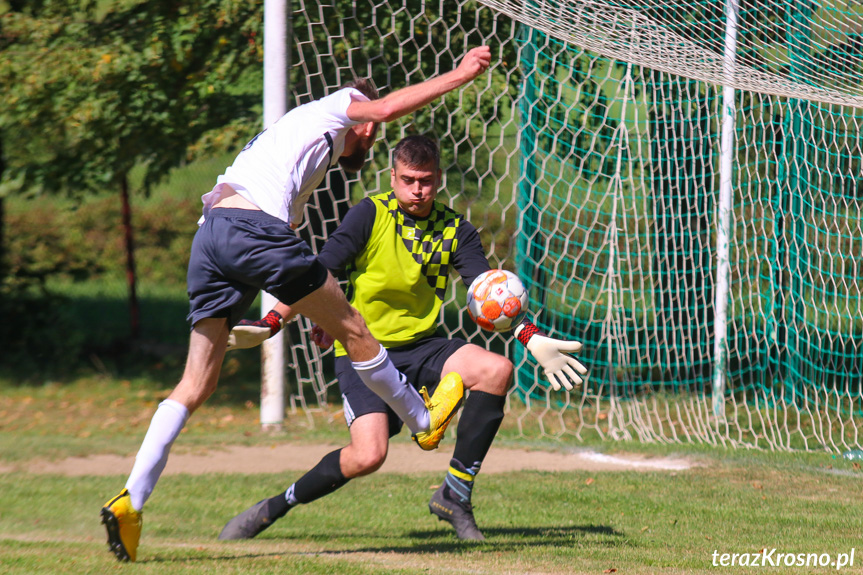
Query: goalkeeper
(397, 249)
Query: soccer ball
(497, 300)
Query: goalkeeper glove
(248, 333)
(552, 354)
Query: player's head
(417, 152)
(364, 86)
(416, 174)
(365, 134)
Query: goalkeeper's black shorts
(421, 362)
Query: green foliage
(55, 249)
(89, 94)
(76, 245)
(89, 98)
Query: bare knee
(501, 377)
(371, 461)
(493, 376)
(193, 392)
(362, 460)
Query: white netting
(398, 45)
(588, 158)
(688, 39)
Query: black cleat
(457, 513)
(249, 523)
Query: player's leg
(122, 515)
(200, 377)
(300, 281)
(364, 455)
(371, 424)
(267, 254)
(488, 376)
(328, 308)
(333, 471)
(212, 297)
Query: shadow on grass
(499, 539)
(201, 559)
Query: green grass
(537, 521)
(580, 522)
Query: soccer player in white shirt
(246, 243)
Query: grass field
(535, 521)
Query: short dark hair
(416, 152)
(365, 86)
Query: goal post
(277, 62)
(610, 154)
(723, 231)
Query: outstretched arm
(412, 98)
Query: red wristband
(274, 321)
(527, 331)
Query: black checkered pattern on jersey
(431, 241)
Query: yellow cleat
(123, 524)
(442, 407)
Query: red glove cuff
(526, 331)
(274, 321)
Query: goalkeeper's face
(415, 187)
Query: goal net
(679, 185)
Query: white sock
(289, 496)
(382, 377)
(165, 426)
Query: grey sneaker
(457, 513)
(249, 523)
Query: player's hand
(248, 333)
(560, 368)
(321, 338)
(475, 62)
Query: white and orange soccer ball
(497, 300)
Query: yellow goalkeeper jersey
(398, 266)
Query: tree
(151, 84)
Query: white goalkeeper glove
(248, 333)
(560, 368)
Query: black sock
(478, 424)
(277, 506)
(322, 479)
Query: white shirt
(281, 167)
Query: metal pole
(275, 106)
(723, 236)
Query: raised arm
(411, 98)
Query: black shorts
(422, 363)
(236, 253)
